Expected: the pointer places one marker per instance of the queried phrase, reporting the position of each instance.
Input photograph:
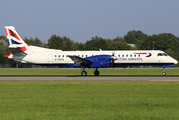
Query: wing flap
(79, 61)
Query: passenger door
(50, 58)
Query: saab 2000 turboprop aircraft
(22, 52)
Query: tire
(83, 73)
(163, 73)
(96, 73)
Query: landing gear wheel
(96, 73)
(163, 73)
(83, 73)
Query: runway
(89, 78)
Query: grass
(77, 71)
(91, 100)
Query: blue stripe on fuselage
(115, 65)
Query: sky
(80, 20)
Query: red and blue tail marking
(17, 46)
(14, 39)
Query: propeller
(113, 58)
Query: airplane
(22, 52)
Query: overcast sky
(80, 20)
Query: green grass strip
(77, 71)
(92, 100)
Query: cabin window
(138, 55)
(130, 55)
(122, 55)
(78, 55)
(118, 55)
(66, 56)
(82, 55)
(62, 55)
(126, 55)
(134, 55)
(59, 56)
(160, 54)
(86, 55)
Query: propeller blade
(113, 64)
(113, 57)
(113, 53)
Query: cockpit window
(160, 54)
(165, 54)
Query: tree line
(166, 42)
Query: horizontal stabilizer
(17, 52)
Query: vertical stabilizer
(17, 46)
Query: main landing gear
(84, 73)
(163, 71)
(96, 72)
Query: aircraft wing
(80, 61)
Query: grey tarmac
(90, 78)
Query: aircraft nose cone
(175, 62)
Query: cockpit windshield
(162, 54)
(165, 54)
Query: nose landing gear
(163, 71)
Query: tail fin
(17, 46)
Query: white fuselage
(43, 56)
